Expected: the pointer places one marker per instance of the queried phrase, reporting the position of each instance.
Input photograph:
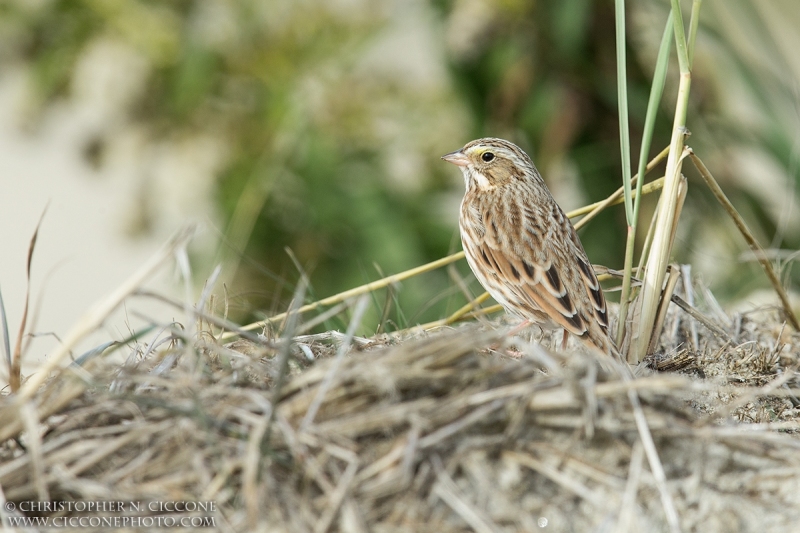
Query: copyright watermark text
(110, 514)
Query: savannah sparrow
(522, 247)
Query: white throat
(472, 175)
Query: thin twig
(95, 316)
(284, 353)
(689, 309)
(674, 275)
(652, 458)
(446, 489)
(336, 499)
(325, 386)
(357, 291)
(628, 507)
(659, 254)
(688, 290)
(33, 429)
(758, 251)
(591, 209)
(560, 478)
(697, 315)
(14, 377)
(226, 325)
(649, 188)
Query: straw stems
(632, 213)
(590, 211)
(357, 291)
(758, 251)
(14, 416)
(15, 362)
(665, 222)
(95, 316)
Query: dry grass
(455, 430)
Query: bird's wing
(590, 281)
(535, 287)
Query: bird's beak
(458, 158)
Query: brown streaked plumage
(522, 247)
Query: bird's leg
(519, 327)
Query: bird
(521, 246)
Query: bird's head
(489, 163)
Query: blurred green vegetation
(333, 115)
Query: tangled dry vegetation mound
(445, 431)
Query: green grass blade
(693, 23)
(622, 104)
(680, 36)
(656, 92)
(663, 237)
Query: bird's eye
(487, 156)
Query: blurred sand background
(83, 251)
